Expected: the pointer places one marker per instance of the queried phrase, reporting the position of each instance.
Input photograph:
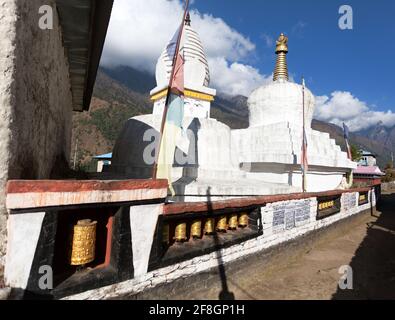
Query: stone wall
(7, 39)
(35, 98)
(282, 221)
(388, 186)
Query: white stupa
(262, 159)
(198, 95)
(271, 147)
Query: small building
(368, 173)
(103, 161)
(369, 176)
(367, 159)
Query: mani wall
(136, 231)
(35, 99)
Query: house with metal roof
(368, 158)
(103, 161)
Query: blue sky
(359, 60)
(349, 71)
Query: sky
(349, 71)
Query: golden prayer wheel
(233, 223)
(196, 229)
(209, 226)
(243, 220)
(83, 244)
(166, 233)
(180, 233)
(221, 224)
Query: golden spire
(281, 70)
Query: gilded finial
(188, 20)
(281, 69)
(282, 43)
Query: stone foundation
(211, 279)
(131, 215)
(282, 222)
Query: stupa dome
(281, 100)
(196, 72)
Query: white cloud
(268, 40)
(140, 29)
(298, 28)
(236, 78)
(342, 106)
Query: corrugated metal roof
(367, 153)
(106, 156)
(84, 26)
(373, 170)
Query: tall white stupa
(271, 147)
(198, 95)
(262, 159)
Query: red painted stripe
(40, 186)
(193, 207)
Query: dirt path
(367, 244)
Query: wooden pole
(75, 154)
(304, 144)
(162, 126)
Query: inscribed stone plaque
(289, 219)
(302, 214)
(278, 218)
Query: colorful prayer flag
(346, 137)
(304, 162)
(174, 108)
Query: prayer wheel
(180, 234)
(221, 224)
(166, 234)
(233, 222)
(243, 220)
(209, 226)
(196, 229)
(83, 244)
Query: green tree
(356, 154)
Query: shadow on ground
(225, 294)
(373, 264)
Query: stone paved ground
(366, 243)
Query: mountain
(374, 145)
(123, 92)
(381, 133)
(232, 111)
(140, 81)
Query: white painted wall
(24, 232)
(143, 220)
(193, 108)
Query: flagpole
(304, 144)
(162, 126)
(345, 135)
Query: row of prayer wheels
(326, 205)
(211, 225)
